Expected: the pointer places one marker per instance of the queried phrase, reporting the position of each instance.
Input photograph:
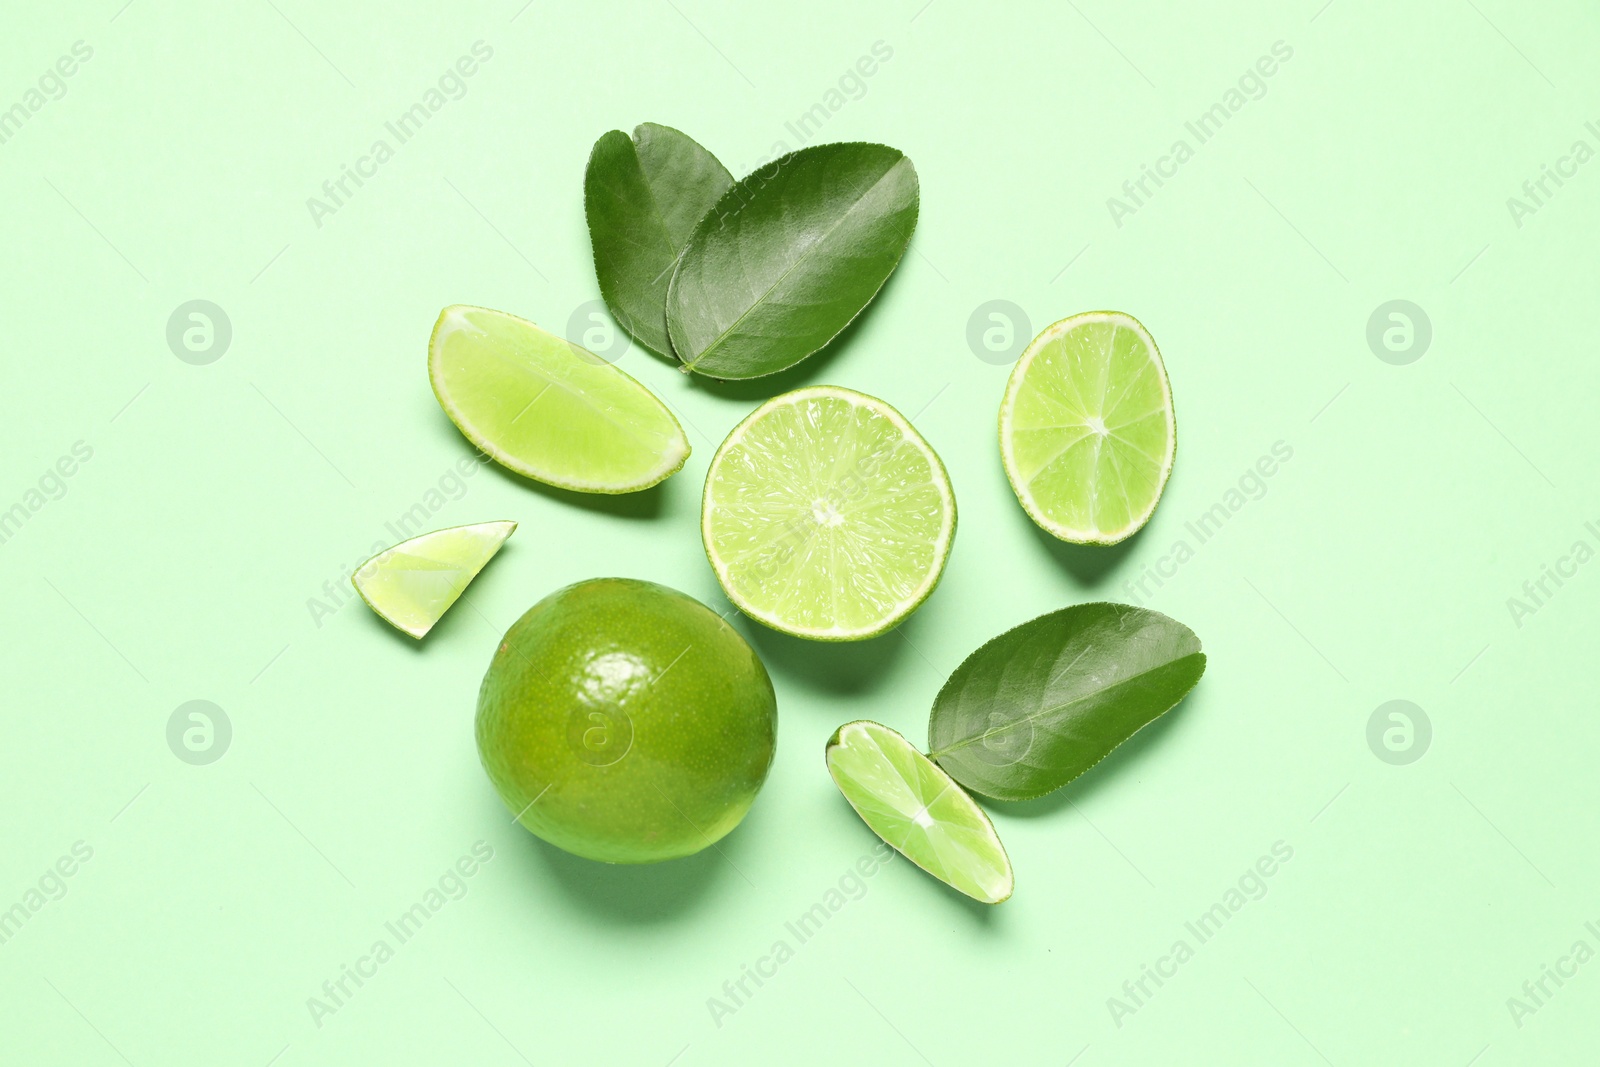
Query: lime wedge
(1087, 433)
(915, 806)
(414, 583)
(827, 516)
(548, 409)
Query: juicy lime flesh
(548, 409)
(414, 583)
(826, 515)
(625, 722)
(1089, 428)
(915, 806)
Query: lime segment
(827, 516)
(548, 409)
(1087, 433)
(414, 583)
(915, 806)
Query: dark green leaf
(789, 256)
(643, 197)
(1039, 705)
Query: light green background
(1377, 565)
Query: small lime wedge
(919, 809)
(827, 516)
(414, 583)
(1087, 432)
(548, 409)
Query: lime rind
(1099, 417)
(817, 515)
(626, 722)
(411, 585)
(910, 802)
(610, 434)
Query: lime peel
(626, 722)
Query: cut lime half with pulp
(827, 516)
(548, 409)
(919, 809)
(414, 583)
(1087, 433)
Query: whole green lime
(626, 722)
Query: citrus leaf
(1039, 705)
(643, 196)
(789, 256)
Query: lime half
(1087, 433)
(548, 409)
(826, 515)
(919, 809)
(414, 583)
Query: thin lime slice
(548, 409)
(826, 515)
(414, 583)
(915, 806)
(1087, 433)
